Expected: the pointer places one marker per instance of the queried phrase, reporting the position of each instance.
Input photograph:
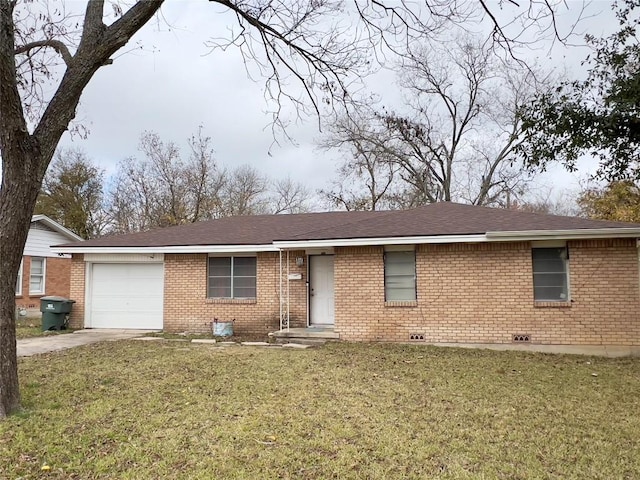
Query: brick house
(443, 273)
(42, 271)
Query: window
(399, 276)
(550, 274)
(36, 276)
(232, 277)
(19, 281)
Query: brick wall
(77, 293)
(57, 277)
(186, 307)
(482, 293)
(467, 293)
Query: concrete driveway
(37, 345)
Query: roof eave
(506, 236)
(56, 226)
(572, 234)
(502, 236)
(363, 242)
(169, 249)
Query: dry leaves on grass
(173, 410)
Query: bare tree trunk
(25, 156)
(18, 200)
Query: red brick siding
(57, 279)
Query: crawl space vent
(416, 337)
(521, 338)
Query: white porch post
(280, 289)
(288, 290)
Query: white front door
(321, 311)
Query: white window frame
(389, 254)
(43, 275)
(232, 276)
(567, 276)
(19, 279)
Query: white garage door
(125, 295)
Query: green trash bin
(55, 311)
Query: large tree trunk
(25, 156)
(17, 199)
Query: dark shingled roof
(443, 218)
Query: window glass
(36, 276)
(220, 266)
(244, 266)
(19, 280)
(550, 274)
(399, 276)
(232, 277)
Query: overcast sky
(174, 84)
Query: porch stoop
(307, 336)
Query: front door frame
(310, 287)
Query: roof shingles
(437, 219)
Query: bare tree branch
(57, 45)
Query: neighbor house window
(232, 277)
(550, 274)
(36, 276)
(399, 276)
(19, 281)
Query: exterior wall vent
(521, 338)
(416, 337)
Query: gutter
(170, 249)
(574, 234)
(278, 245)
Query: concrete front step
(307, 333)
(301, 341)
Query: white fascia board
(57, 227)
(170, 249)
(363, 242)
(575, 234)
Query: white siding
(39, 243)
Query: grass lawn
(32, 327)
(176, 410)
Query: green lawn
(179, 410)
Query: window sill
(406, 303)
(540, 304)
(241, 301)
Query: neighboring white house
(43, 272)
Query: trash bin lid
(54, 298)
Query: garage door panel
(127, 296)
(122, 288)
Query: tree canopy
(72, 194)
(598, 116)
(454, 140)
(618, 201)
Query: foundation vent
(416, 337)
(521, 338)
